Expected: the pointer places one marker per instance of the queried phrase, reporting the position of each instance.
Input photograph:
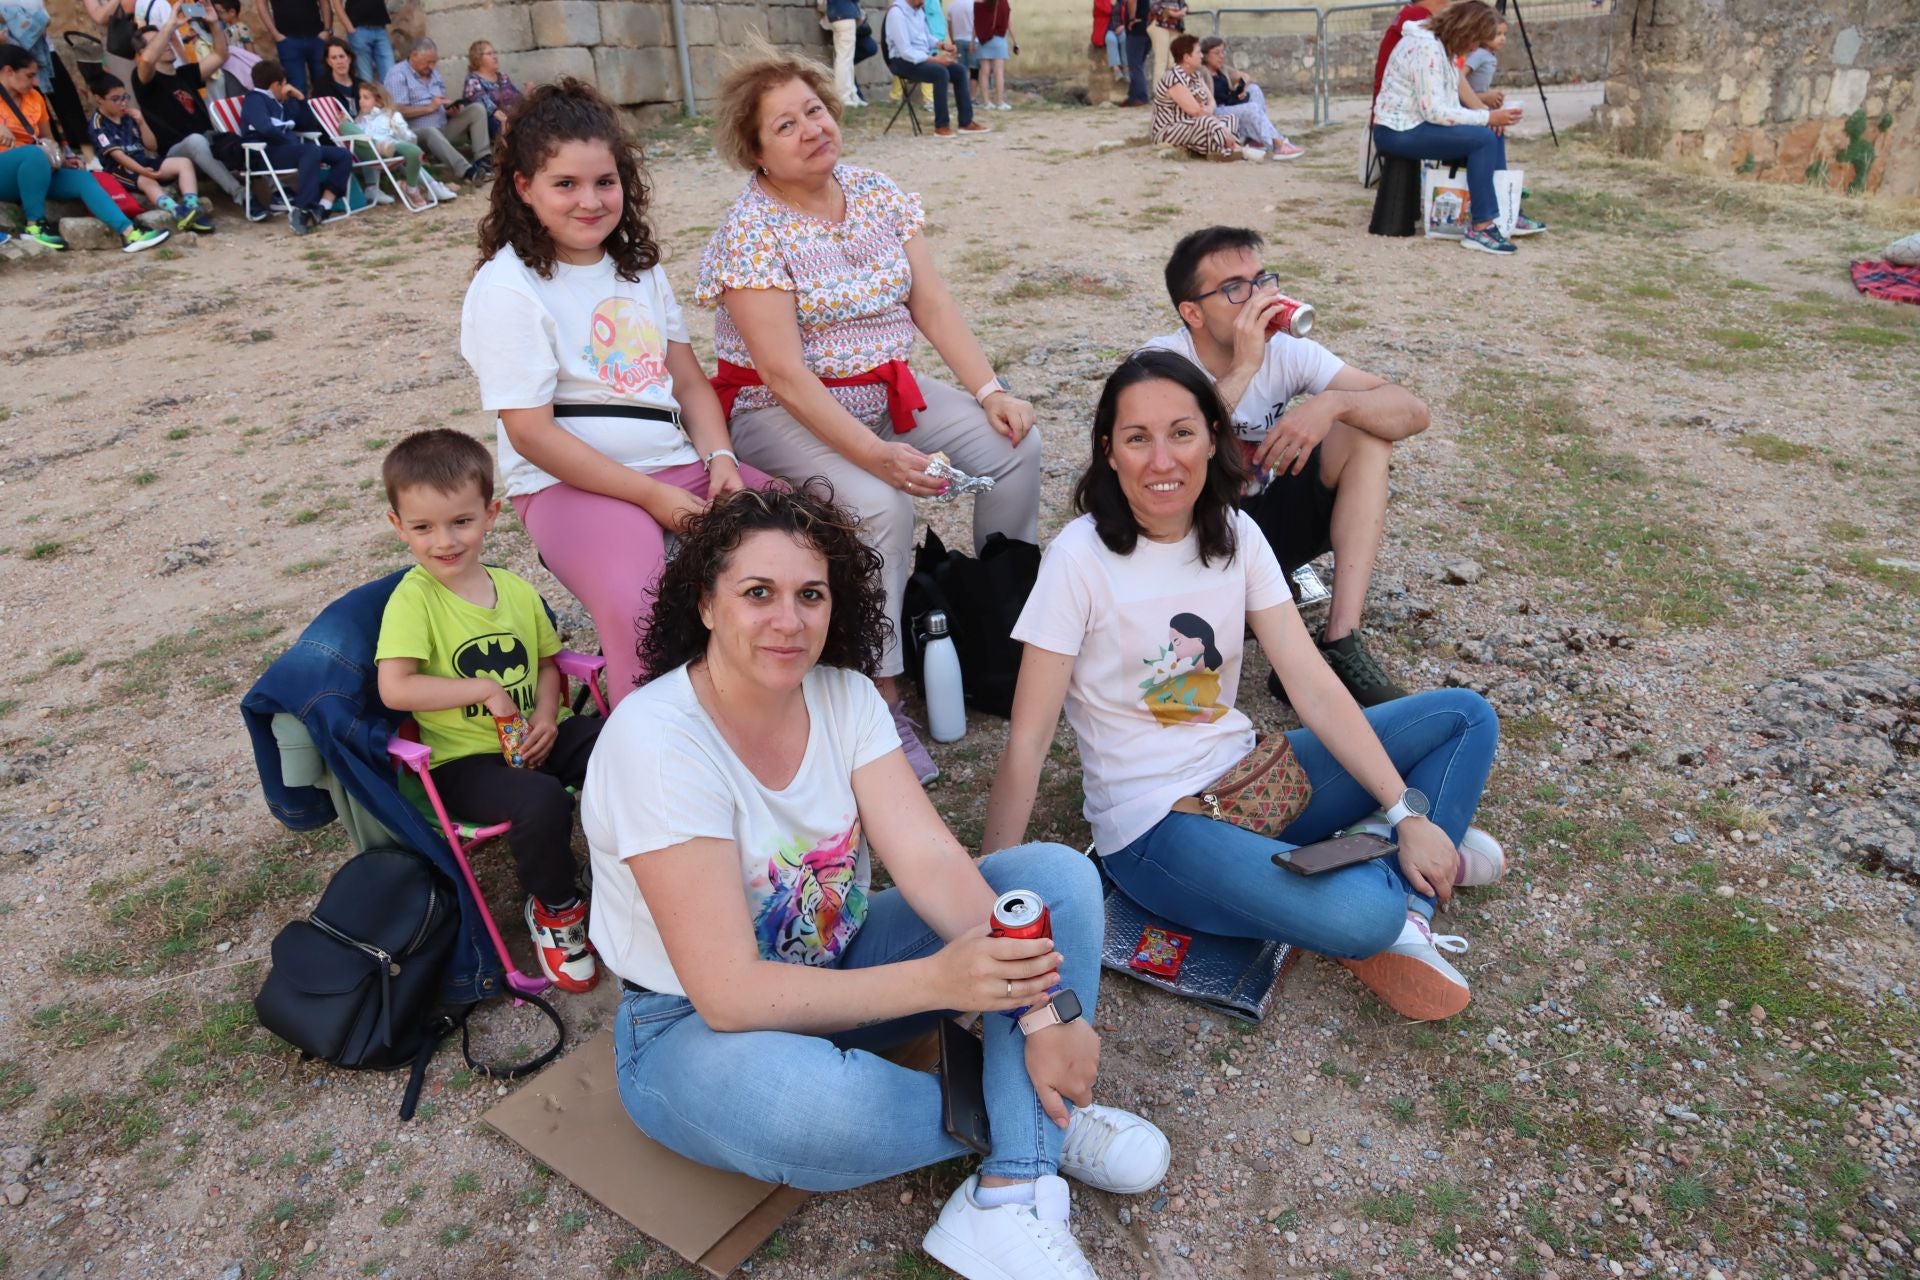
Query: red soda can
(1020, 913)
(1293, 317)
(513, 731)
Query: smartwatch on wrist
(1062, 1009)
(998, 384)
(1411, 804)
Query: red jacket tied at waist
(903, 391)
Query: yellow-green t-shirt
(462, 641)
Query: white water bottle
(940, 678)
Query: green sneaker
(134, 239)
(1359, 672)
(39, 231)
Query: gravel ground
(1655, 520)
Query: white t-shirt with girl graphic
(1157, 641)
(662, 775)
(584, 337)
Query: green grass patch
(1843, 531)
(74, 1025)
(226, 644)
(45, 549)
(1071, 284)
(16, 1086)
(191, 910)
(1573, 511)
(1739, 339)
(1613, 212)
(1860, 335)
(1768, 447)
(1874, 568)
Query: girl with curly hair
(730, 807)
(610, 437)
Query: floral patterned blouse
(850, 281)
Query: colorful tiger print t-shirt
(849, 279)
(662, 774)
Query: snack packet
(513, 731)
(959, 483)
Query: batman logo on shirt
(500, 657)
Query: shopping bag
(1445, 207)
(1507, 184)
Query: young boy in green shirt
(462, 643)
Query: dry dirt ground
(1676, 443)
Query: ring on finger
(1009, 987)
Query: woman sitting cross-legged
(1136, 626)
(1183, 114)
(822, 280)
(1418, 114)
(730, 805)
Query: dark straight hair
(1098, 493)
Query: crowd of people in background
(138, 134)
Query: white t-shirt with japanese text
(662, 774)
(1157, 641)
(584, 337)
(1292, 367)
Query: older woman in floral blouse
(821, 278)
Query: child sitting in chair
(462, 644)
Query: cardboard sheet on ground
(569, 1118)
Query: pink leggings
(609, 553)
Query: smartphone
(963, 1097)
(1331, 855)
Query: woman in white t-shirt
(730, 804)
(609, 434)
(1136, 626)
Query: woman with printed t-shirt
(730, 806)
(822, 280)
(1136, 627)
(609, 435)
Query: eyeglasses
(118, 99)
(1238, 291)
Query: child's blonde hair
(381, 98)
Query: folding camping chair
(331, 115)
(226, 118)
(907, 89)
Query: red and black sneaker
(560, 942)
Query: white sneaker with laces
(1113, 1150)
(1482, 860)
(441, 191)
(1010, 1241)
(1411, 977)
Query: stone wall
(1566, 51)
(1816, 91)
(624, 46)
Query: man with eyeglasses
(1321, 464)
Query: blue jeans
(825, 1113)
(1116, 49)
(1138, 49)
(27, 178)
(1218, 878)
(1483, 150)
(940, 76)
(304, 60)
(372, 53)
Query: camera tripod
(1521, 21)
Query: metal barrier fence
(1347, 19)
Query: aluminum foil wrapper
(959, 483)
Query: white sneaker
(1411, 977)
(1113, 1150)
(441, 191)
(1482, 860)
(381, 197)
(1009, 1242)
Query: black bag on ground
(357, 983)
(982, 600)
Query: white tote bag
(1445, 206)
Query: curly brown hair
(550, 115)
(858, 629)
